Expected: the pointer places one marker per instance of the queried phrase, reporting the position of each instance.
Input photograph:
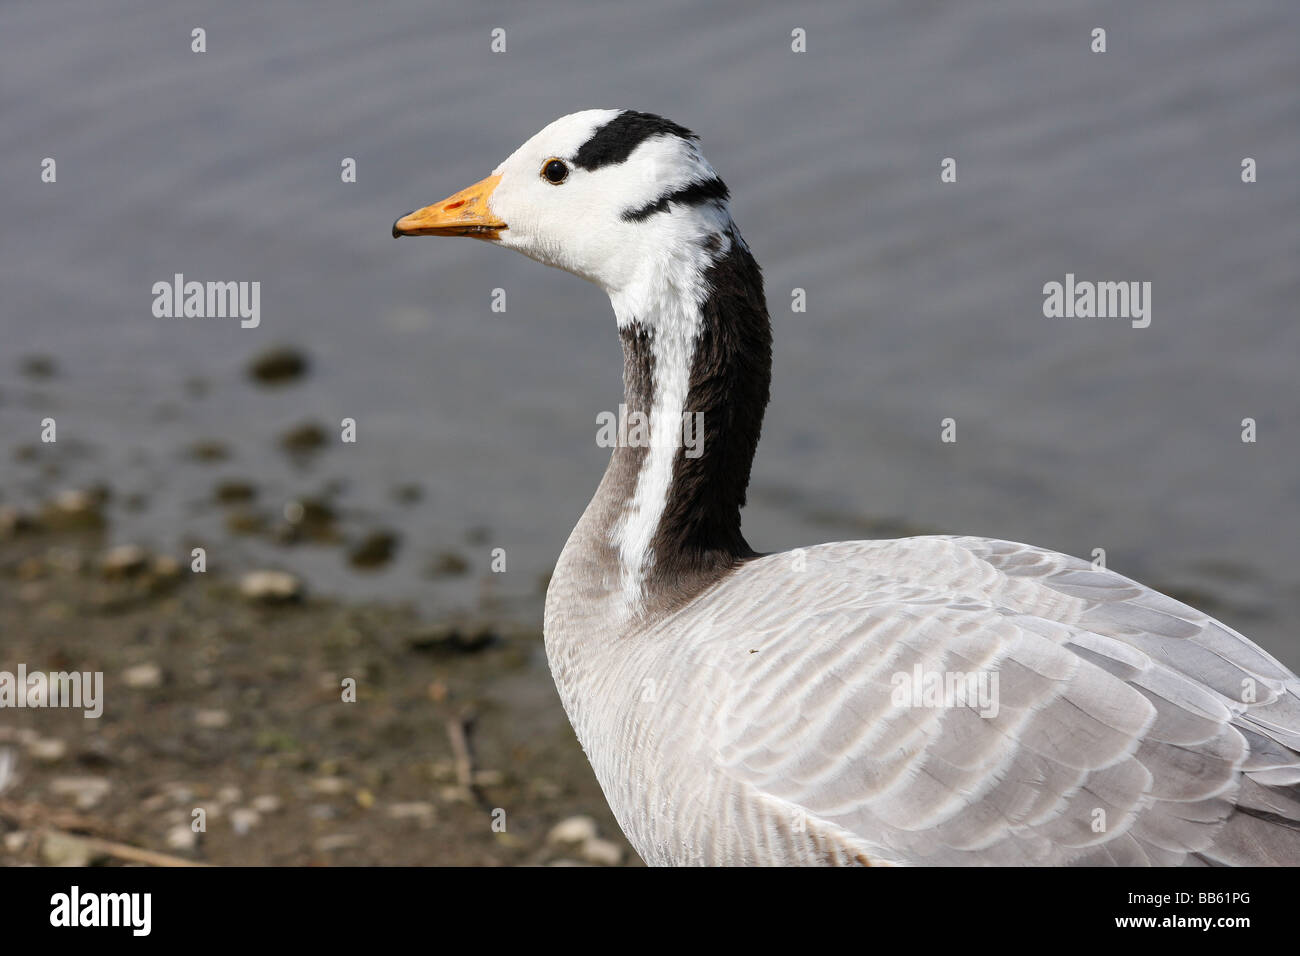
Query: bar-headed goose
(942, 700)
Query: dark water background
(924, 299)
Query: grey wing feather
(1129, 729)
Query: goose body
(929, 700)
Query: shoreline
(231, 703)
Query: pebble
(179, 792)
(579, 829)
(329, 786)
(308, 518)
(337, 841)
(212, 719)
(47, 750)
(452, 638)
(87, 791)
(374, 549)
(447, 564)
(244, 521)
(270, 587)
(181, 837)
(73, 509)
(38, 366)
(209, 450)
(268, 803)
(165, 567)
(143, 676)
(124, 560)
(244, 819)
(302, 439)
(416, 810)
(277, 365)
(234, 490)
(8, 773)
(601, 852)
(64, 849)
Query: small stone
(303, 439)
(86, 791)
(165, 568)
(75, 510)
(337, 841)
(179, 792)
(373, 550)
(267, 803)
(181, 837)
(244, 819)
(329, 786)
(450, 638)
(270, 587)
(16, 841)
(447, 564)
(545, 789)
(143, 676)
(212, 719)
(64, 849)
(601, 852)
(416, 810)
(244, 521)
(310, 518)
(47, 750)
(208, 450)
(278, 365)
(230, 794)
(233, 490)
(579, 829)
(125, 560)
(38, 366)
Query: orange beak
(464, 214)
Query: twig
(27, 815)
(458, 729)
(33, 816)
(134, 854)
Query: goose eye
(554, 171)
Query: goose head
(621, 198)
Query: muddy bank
(231, 702)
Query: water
(924, 299)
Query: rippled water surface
(924, 300)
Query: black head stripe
(700, 191)
(614, 142)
